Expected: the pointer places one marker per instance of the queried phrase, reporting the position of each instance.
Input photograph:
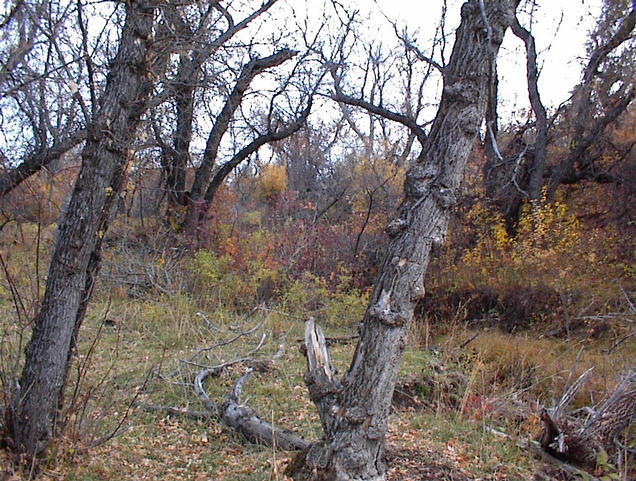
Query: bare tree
(203, 36)
(521, 170)
(202, 191)
(43, 80)
(537, 170)
(220, 60)
(614, 94)
(354, 410)
(76, 257)
(383, 71)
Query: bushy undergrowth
(549, 248)
(159, 301)
(553, 271)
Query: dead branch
(609, 350)
(469, 340)
(320, 377)
(200, 390)
(560, 464)
(569, 394)
(231, 411)
(570, 439)
(208, 322)
(246, 421)
(342, 340)
(233, 339)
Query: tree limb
(31, 164)
(252, 147)
(417, 130)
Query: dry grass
(133, 347)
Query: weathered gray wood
(75, 259)
(244, 419)
(569, 439)
(320, 377)
(353, 442)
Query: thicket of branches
(280, 142)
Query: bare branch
(541, 138)
(249, 72)
(251, 148)
(31, 164)
(417, 130)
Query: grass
(133, 350)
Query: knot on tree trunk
(320, 385)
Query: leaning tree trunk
(354, 412)
(34, 403)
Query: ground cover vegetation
(170, 243)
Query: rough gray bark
(34, 403)
(355, 413)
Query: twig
(118, 429)
(246, 358)
(207, 321)
(281, 348)
(618, 343)
(200, 351)
(629, 302)
(574, 364)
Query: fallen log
(244, 420)
(230, 410)
(582, 442)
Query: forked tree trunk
(354, 412)
(34, 403)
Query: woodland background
(535, 283)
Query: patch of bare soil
(417, 464)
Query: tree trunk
(35, 401)
(541, 137)
(354, 418)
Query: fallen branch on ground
(230, 411)
(557, 462)
(579, 441)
